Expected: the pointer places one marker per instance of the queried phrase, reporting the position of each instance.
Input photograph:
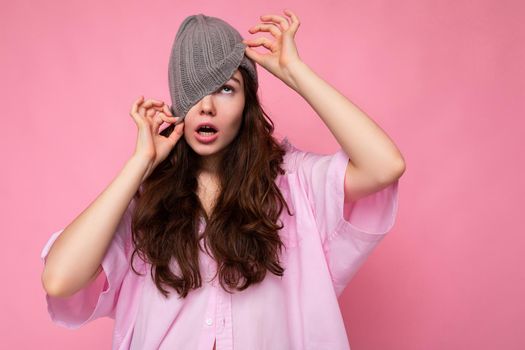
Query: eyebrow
(237, 80)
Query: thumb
(254, 55)
(177, 133)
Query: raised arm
(74, 259)
(374, 160)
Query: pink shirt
(327, 241)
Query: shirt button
(209, 321)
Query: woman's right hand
(152, 147)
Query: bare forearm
(367, 145)
(77, 253)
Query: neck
(210, 164)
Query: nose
(206, 105)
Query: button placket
(211, 311)
(224, 327)
(219, 313)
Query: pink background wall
(445, 80)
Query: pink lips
(203, 138)
(206, 139)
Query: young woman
(214, 235)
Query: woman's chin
(205, 150)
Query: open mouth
(206, 133)
(206, 130)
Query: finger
(177, 133)
(166, 115)
(150, 102)
(295, 20)
(145, 108)
(266, 27)
(168, 119)
(157, 119)
(261, 41)
(157, 122)
(167, 110)
(136, 103)
(283, 22)
(134, 112)
(150, 112)
(162, 118)
(254, 55)
(178, 121)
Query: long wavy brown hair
(242, 231)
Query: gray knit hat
(205, 54)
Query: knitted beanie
(204, 56)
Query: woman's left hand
(283, 51)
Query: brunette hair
(242, 231)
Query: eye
(227, 87)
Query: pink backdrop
(444, 79)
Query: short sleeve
(100, 297)
(349, 231)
